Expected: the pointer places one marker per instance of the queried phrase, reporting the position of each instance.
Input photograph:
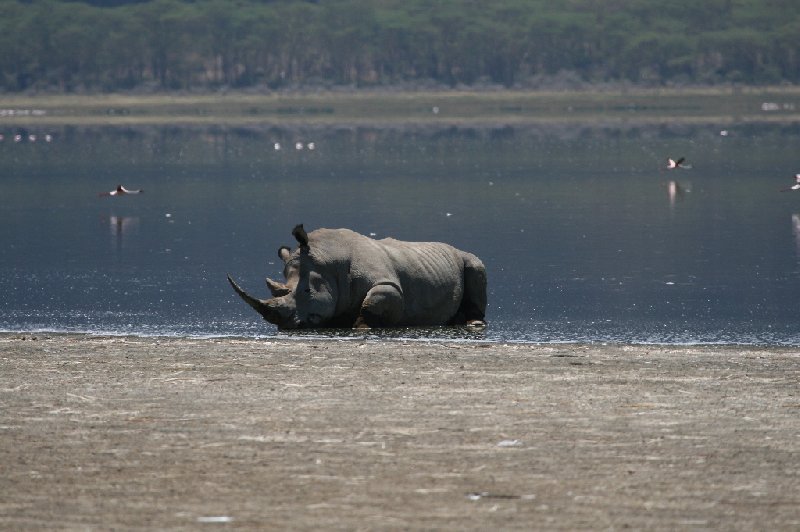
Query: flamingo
(796, 186)
(672, 164)
(121, 191)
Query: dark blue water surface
(583, 237)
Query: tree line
(112, 45)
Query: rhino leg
(383, 307)
(473, 303)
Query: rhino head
(308, 297)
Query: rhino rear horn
(277, 289)
(300, 234)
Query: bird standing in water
(121, 191)
(796, 186)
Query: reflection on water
(120, 226)
(676, 191)
(796, 231)
(571, 222)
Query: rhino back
(429, 274)
(431, 277)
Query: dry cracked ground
(141, 433)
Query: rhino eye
(307, 290)
(316, 282)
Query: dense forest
(112, 45)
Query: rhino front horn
(300, 234)
(258, 304)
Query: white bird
(796, 186)
(277, 146)
(672, 164)
(121, 191)
(298, 145)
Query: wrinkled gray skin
(344, 279)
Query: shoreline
(129, 432)
(398, 108)
(303, 336)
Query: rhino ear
(277, 289)
(284, 253)
(300, 234)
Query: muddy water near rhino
(584, 237)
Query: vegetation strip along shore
(397, 108)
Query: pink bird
(796, 186)
(121, 191)
(672, 164)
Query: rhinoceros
(339, 278)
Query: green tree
(122, 44)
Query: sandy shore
(125, 433)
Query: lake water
(583, 237)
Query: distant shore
(127, 432)
(393, 108)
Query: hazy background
(112, 45)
